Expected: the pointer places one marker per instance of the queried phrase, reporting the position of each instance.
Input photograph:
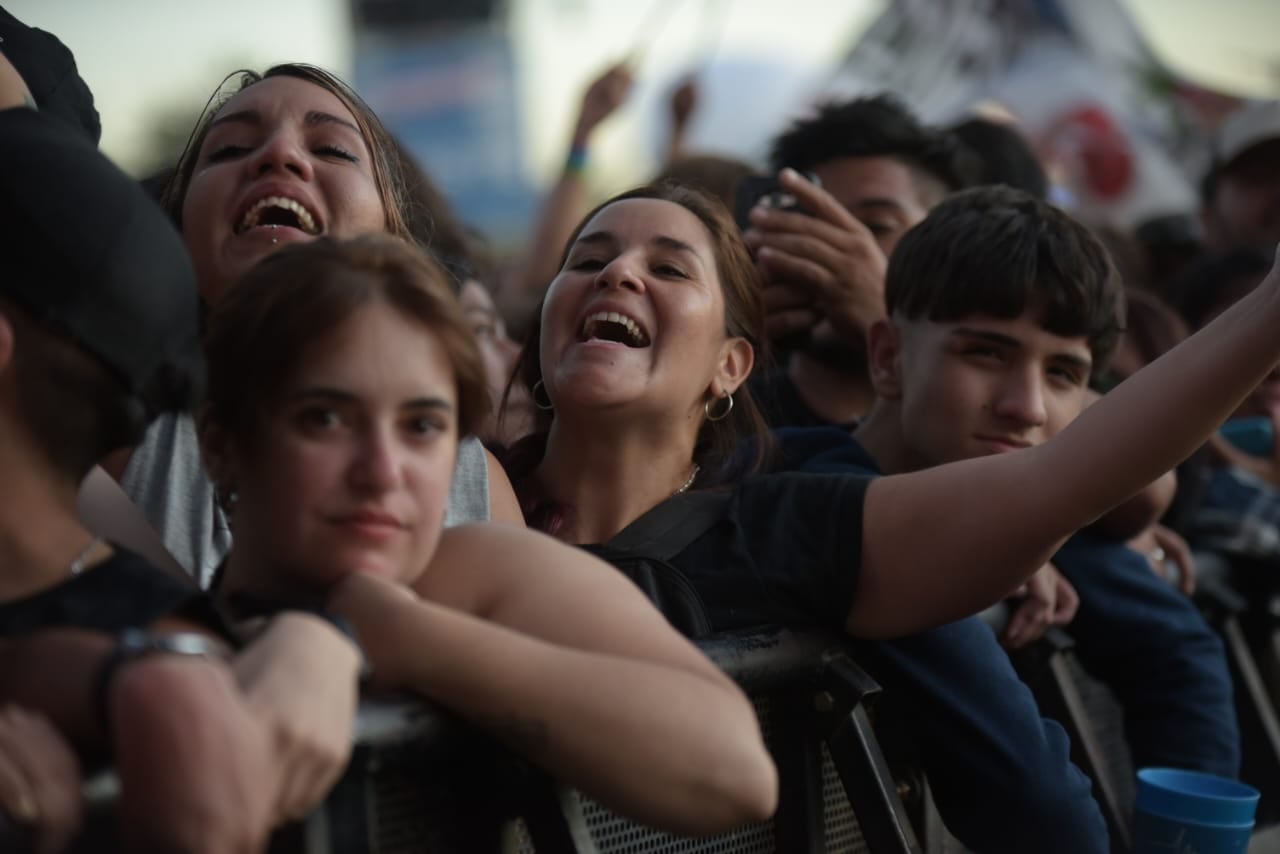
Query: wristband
(133, 644)
(576, 162)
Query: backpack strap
(668, 529)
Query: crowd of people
(269, 448)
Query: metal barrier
(421, 780)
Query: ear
(737, 357)
(884, 357)
(217, 452)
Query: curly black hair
(877, 126)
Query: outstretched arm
(949, 541)
(565, 659)
(567, 201)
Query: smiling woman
(285, 157)
(341, 375)
(647, 335)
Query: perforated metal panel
(1106, 718)
(614, 834)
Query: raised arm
(567, 201)
(949, 541)
(565, 659)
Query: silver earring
(545, 407)
(723, 414)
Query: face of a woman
(284, 161)
(499, 354)
(635, 321)
(350, 468)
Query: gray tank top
(167, 482)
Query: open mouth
(615, 327)
(278, 212)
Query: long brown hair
(744, 318)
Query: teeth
(633, 328)
(305, 219)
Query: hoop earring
(706, 408)
(533, 393)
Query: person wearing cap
(99, 332)
(1240, 192)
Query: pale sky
(146, 58)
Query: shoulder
(801, 489)
(823, 448)
(122, 591)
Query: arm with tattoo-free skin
(991, 522)
(565, 659)
(196, 770)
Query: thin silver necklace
(77, 565)
(688, 483)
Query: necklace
(688, 483)
(77, 565)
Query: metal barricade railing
(422, 781)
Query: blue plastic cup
(1187, 812)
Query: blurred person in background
(527, 276)
(1002, 155)
(1240, 191)
(1239, 511)
(435, 225)
(879, 171)
(1153, 328)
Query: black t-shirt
(787, 552)
(780, 402)
(124, 591)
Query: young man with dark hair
(879, 172)
(1002, 155)
(99, 332)
(1240, 191)
(1001, 308)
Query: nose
(621, 272)
(283, 153)
(1021, 399)
(375, 467)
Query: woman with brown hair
(289, 155)
(645, 340)
(341, 377)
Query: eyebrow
(1009, 341)
(597, 238)
(340, 396)
(253, 118)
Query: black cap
(89, 255)
(48, 68)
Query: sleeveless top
(166, 480)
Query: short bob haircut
(294, 300)
(388, 171)
(999, 251)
